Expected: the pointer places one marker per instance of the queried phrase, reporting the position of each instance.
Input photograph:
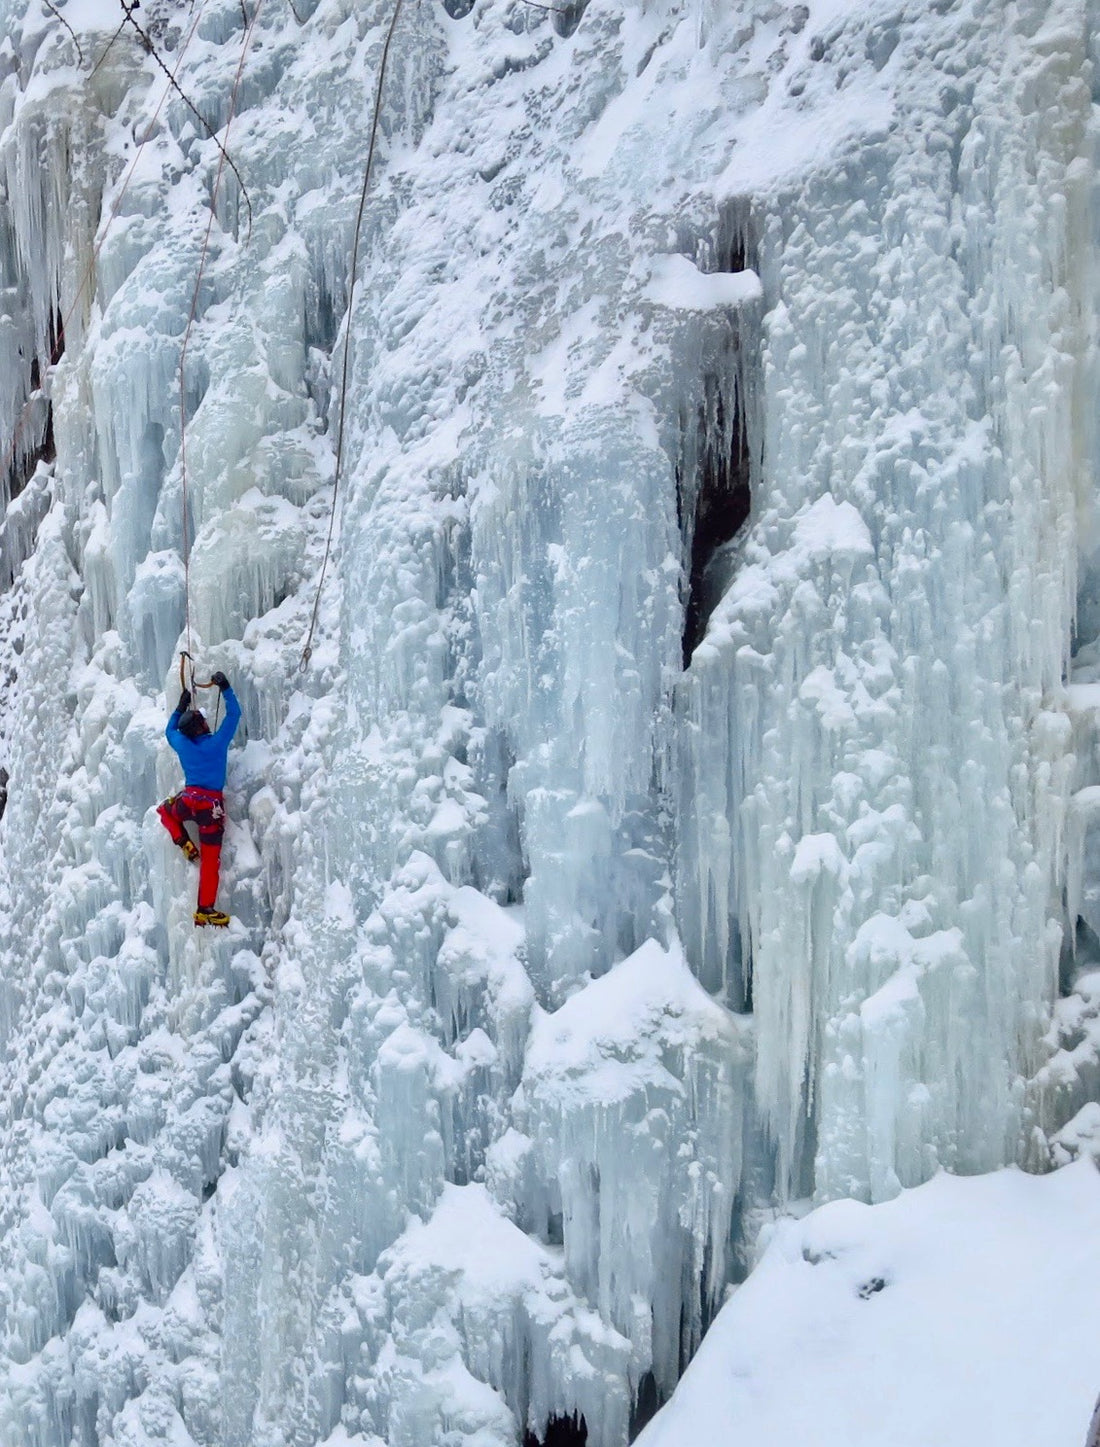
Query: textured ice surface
(556, 966)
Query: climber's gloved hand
(185, 701)
(221, 680)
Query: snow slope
(619, 868)
(961, 1312)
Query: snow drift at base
(963, 1312)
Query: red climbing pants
(206, 809)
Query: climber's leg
(208, 911)
(172, 814)
(211, 822)
(209, 868)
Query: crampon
(211, 916)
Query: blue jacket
(204, 759)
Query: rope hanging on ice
(89, 270)
(550, 9)
(185, 538)
(108, 48)
(307, 649)
(58, 16)
(226, 158)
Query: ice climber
(203, 756)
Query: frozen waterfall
(690, 809)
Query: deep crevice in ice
(568, 16)
(499, 867)
(734, 243)
(560, 1432)
(36, 443)
(647, 1403)
(34, 440)
(723, 503)
(715, 463)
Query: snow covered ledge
(965, 1311)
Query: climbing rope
(223, 157)
(58, 16)
(307, 649)
(151, 49)
(108, 48)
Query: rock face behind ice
(681, 809)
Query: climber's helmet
(193, 724)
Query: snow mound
(963, 1312)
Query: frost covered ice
(886, 663)
(683, 810)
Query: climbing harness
(307, 649)
(185, 538)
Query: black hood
(193, 724)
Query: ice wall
(563, 950)
(879, 696)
